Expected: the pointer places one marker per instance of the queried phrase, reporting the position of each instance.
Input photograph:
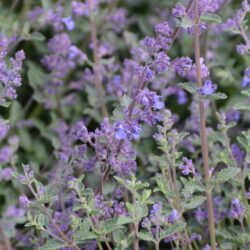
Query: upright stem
(97, 65)
(136, 228)
(5, 240)
(204, 144)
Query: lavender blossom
(207, 89)
(187, 167)
(237, 210)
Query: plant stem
(204, 144)
(5, 240)
(107, 244)
(136, 241)
(99, 245)
(97, 68)
(136, 227)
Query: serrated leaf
(188, 86)
(177, 227)
(246, 92)
(145, 235)
(122, 220)
(81, 236)
(126, 101)
(190, 186)
(195, 201)
(217, 96)
(52, 244)
(5, 103)
(242, 106)
(186, 22)
(141, 210)
(109, 226)
(225, 174)
(36, 36)
(210, 17)
(242, 140)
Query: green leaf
(52, 244)
(109, 226)
(242, 106)
(242, 140)
(5, 103)
(117, 114)
(217, 96)
(141, 210)
(177, 227)
(246, 92)
(146, 194)
(36, 76)
(190, 186)
(225, 175)
(81, 236)
(210, 18)
(188, 86)
(15, 113)
(36, 36)
(126, 101)
(186, 22)
(46, 4)
(145, 235)
(195, 201)
(122, 220)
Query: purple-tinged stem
(204, 144)
(97, 69)
(5, 240)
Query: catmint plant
(124, 125)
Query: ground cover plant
(124, 124)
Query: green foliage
(195, 201)
(225, 175)
(52, 244)
(191, 87)
(210, 18)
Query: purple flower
(238, 154)
(163, 29)
(149, 43)
(237, 210)
(242, 49)
(69, 23)
(179, 10)
(246, 78)
(182, 65)
(156, 209)
(79, 9)
(146, 223)
(195, 236)
(4, 128)
(148, 74)
(24, 201)
(174, 216)
(207, 89)
(81, 132)
(120, 133)
(161, 62)
(187, 167)
(6, 174)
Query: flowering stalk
(141, 86)
(203, 134)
